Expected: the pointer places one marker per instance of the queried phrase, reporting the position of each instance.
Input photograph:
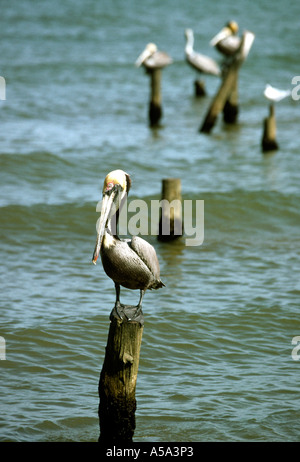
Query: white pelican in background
(274, 94)
(129, 263)
(226, 41)
(151, 58)
(201, 63)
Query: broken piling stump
(170, 223)
(199, 88)
(117, 382)
(155, 105)
(231, 106)
(269, 142)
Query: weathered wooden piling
(227, 93)
(220, 99)
(170, 223)
(155, 105)
(200, 90)
(231, 106)
(269, 142)
(117, 382)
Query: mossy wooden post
(269, 142)
(228, 88)
(155, 106)
(117, 382)
(170, 223)
(199, 88)
(219, 100)
(231, 107)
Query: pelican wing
(203, 63)
(229, 45)
(246, 44)
(147, 254)
(158, 60)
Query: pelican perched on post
(152, 58)
(198, 61)
(131, 263)
(226, 41)
(154, 61)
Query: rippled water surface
(216, 359)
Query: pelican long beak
(107, 210)
(143, 56)
(224, 33)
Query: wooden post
(219, 100)
(269, 142)
(231, 107)
(155, 107)
(117, 382)
(199, 88)
(228, 88)
(170, 224)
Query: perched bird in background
(131, 263)
(227, 41)
(274, 94)
(203, 64)
(152, 58)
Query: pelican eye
(110, 187)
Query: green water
(216, 360)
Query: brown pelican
(129, 263)
(226, 41)
(201, 63)
(151, 58)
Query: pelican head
(189, 35)
(116, 186)
(231, 28)
(150, 49)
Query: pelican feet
(128, 313)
